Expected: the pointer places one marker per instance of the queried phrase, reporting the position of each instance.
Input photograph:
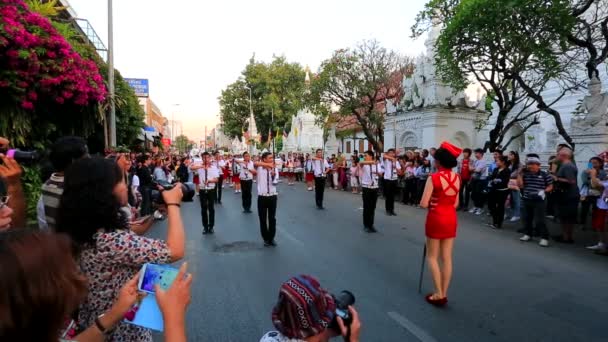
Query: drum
(298, 170)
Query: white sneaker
(472, 211)
(599, 246)
(543, 243)
(515, 218)
(479, 211)
(525, 238)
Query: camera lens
(345, 299)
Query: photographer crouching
(305, 312)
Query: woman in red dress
(441, 197)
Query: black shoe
(320, 208)
(560, 239)
(267, 244)
(272, 243)
(373, 229)
(393, 214)
(211, 230)
(367, 230)
(205, 231)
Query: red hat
(453, 149)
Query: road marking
(411, 327)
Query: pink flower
(27, 105)
(59, 100)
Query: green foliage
(181, 143)
(276, 86)
(32, 187)
(48, 8)
(357, 82)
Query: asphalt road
(502, 289)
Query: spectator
(145, 183)
(10, 173)
(498, 193)
(535, 184)
(567, 195)
(464, 169)
(109, 253)
(479, 170)
(514, 165)
(599, 211)
(307, 312)
(589, 193)
(422, 174)
(354, 175)
(160, 173)
(42, 286)
(64, 152)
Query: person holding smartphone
(109, 253)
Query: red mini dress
(441, 220)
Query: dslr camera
(187, 191)
(22, 157)
(343, 301)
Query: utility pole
(111, 75)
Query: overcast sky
(190, 49)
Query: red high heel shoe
(436, 302)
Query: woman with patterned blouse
(108, 252)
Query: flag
(296, 131)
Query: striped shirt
(534, 183)
(52, 190)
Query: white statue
(595, 105)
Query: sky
(190, 49)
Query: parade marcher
(320, 168)
(235, 168)
(209, 176)
(535, 184)
(309, 173)
(441, 197)
(369, 171)
(267, 198)
(220, 165)
(246, 181)
(392, 171)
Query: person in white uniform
(246, 177)
(320, 167)
(267, 198)
(208, 175)
(392, 171)
(369, 172)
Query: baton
(422, 269)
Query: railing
(88, 30)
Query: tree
(277, 89)
(181, 143)
(590, 33)
(359, 82)
(515, 51)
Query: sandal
(439, 302)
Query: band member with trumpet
(392, 171)
(267, 198)
(320, 169)
(246, 178)
(220, 165)
(208, 175)
(369, 172)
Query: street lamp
(111, 75)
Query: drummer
(290, 169)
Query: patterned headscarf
(304, 308)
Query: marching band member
(235, 168)
(320, 168)
(208, 175)
(246, 181)
(369, 172)
(392, 171)
(310, 176)
(267, 198)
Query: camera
(343, 301)
(187, 190)
(22, 157)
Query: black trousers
(218, 188)
(390, 189)
(319, 189)
(496, 205)
(409, 192)
(267, 209)
(534, 217)
(246, 193)
(370, 197)
(478, 196)
(420, 184)
(465, 194)
(146, 200)
(587, 205)
(207, 197)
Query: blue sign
(140, 86)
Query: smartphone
(153, 274)
(590, 165)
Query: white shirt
(135, 182)
(265, 183)
(207, 174)
(369, 175)
(246, 171)
(317, 169)
(389, 172)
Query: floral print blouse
(114, 259)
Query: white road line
(411, 327)
(289, 236)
